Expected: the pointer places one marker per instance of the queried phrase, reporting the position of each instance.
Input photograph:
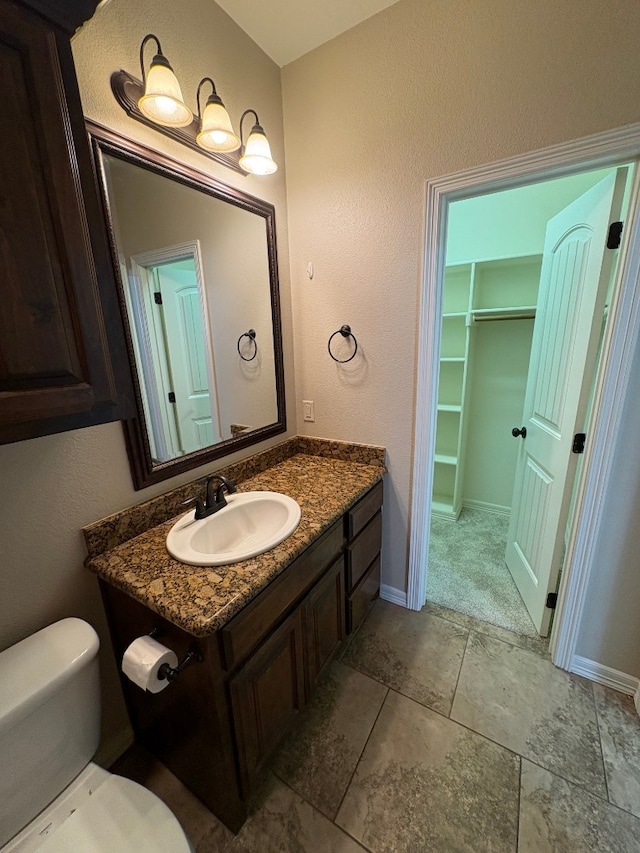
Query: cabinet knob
(515, 432)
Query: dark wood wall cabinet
(218, 724)
(63, 360)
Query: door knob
(515, 432)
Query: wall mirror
(196, 265)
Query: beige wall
(420, 90)
(610, 632)
(53, 486)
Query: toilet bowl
(52, 797)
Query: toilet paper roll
(142, 660)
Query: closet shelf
(520, 312)
(444, 459)
(478, 291)
(443, 505)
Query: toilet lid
(121, 816)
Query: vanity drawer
(360, 514)
(244, 632)
(363, 596)
(363, 550)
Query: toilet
(53, 798)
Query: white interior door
(575, 275)
(186, 352)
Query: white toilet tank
(49, 718)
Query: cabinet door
(55, 339)
(266, 695)
(323, 614)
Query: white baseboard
(112, 749)
(395, 596)
(487, 507)
(602, 674)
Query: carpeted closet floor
(467, 571)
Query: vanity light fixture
(256, 152)
(157, 102)
(216, 132)
(162, 100)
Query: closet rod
(483, 318)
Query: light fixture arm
(159, 52)
(213, 96)
(255, 126)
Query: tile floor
(437, 732)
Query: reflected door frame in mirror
(145, 469)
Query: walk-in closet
(494, 258)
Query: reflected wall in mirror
(197, 268)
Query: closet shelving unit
(480, 291)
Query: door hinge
(552, 600)
(172, 397)
(157, 297)
(578, 442)
(615, 232)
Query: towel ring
(346, 332)
(251, 334)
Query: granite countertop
(202, 599)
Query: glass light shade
(162, 100)
(217, 133)
(257, 155)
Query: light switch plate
(308, 412)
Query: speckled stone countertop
(202, 599)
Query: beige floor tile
(620, 736)
(195, 818)
(525, 703)
(417, 654)
(319, 757)
(283, 823)
(425, 783)
(559, 817)
(540, 645)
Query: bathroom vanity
(265, 629)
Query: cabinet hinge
(552, 600)
(157, 297)
(172, 397)
(615, 232)
(578, 442)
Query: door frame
(601, 150)
(140, 265)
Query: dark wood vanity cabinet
(323, 619)
(266, 695)
(219, 723)
(62, 351)
(364, 532)
(281, 661)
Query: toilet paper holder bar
(170, 673)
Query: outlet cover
(308, 412)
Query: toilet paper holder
(170, 673)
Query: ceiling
(286, 29)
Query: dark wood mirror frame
(144, 470)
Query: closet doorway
(525, 297)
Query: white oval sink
(250, 524)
